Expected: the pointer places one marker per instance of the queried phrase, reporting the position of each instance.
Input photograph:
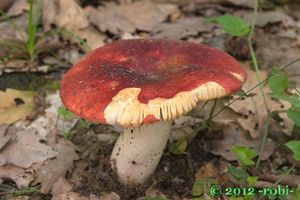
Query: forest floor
(46, 152)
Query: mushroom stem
(138, 151)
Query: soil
(173, 176)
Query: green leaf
(294, 146)
(67, 134)
(244, 155)
(232, 25)
(294, 114)
(198, 188)
(65, 113)
(84, 123)
(178, 147)
(251, 180)
(238, 174)
(203, 186)
(278, 82)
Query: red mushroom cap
(136, 81)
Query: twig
(285, 175)
(263, 184)
(291, 180)
(212, 111)
(265, 137)
(253, 55)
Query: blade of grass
(33, 22)
(11, 44)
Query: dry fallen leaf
(182, 28)
(110, 196)
(48, 174)
(15, 105)
(4, 137)
(77, 196)
(252, 109)
(240, 3)
(18, 7)
(61, 186)
(9, 33)
(284, 52)
(21, 198)
(204, 110)
(270, 17)
(2, 160)
(17, 174)
(139, 15)
(64, 13)
(50, 123)
(182, 128)
(27, 148)
(73, 19)
(5, 4)
(236, 136)
(208, 170)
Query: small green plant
(67, 134)
(65, 113)
(279, 83)
(232, 25)
(244, 155)
(239, 174)
(178, 147)
(202, 188)
(294, 146)
(236, 26)
(33, 24)
(30, 41)
(14, 191)
(84, 123)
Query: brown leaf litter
(19, 175)
(15, 105)
(139, 15)
(181, 28)
(5, 4)
(236, 136)
(49, 173)
(79, 25)
(29, 142)
(252, 110)
(26, 148)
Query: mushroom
(142, 85)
